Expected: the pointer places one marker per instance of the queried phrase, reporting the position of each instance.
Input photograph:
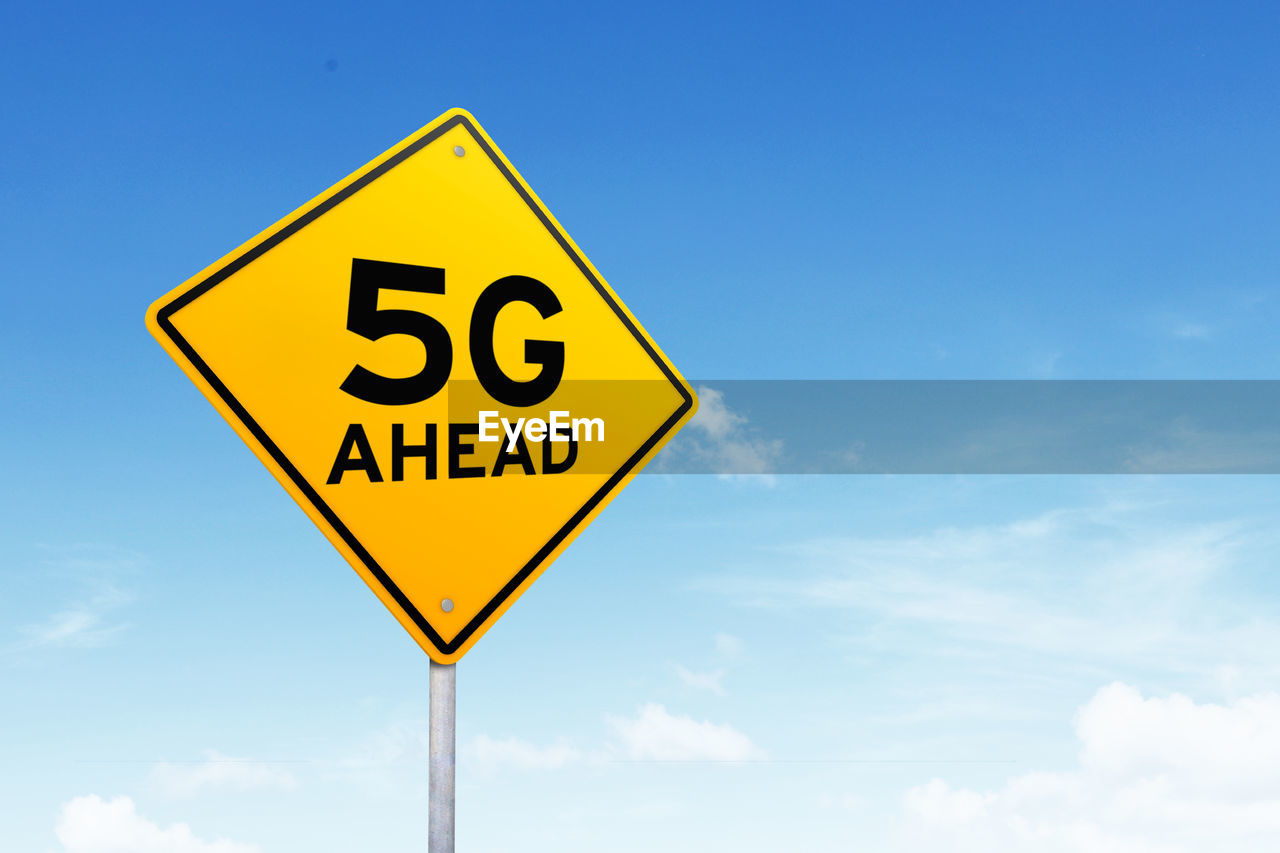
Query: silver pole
(442, 744)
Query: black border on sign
(164, 314)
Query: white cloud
(1098, 586)
(220, 771)
(712, 681)
(86, 621)
(720, 441)
(654, 734)
(81, 626)
(714, 418)
(94, 825)
(512, 752)
(1155, 774)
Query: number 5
(367, 320)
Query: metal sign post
(442, 746)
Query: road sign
(435, 373)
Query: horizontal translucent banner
(884, 427)
(980, 427)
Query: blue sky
(930, 190)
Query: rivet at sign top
(446, 605)
(459, 150)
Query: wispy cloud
(729, 646)
(220, 771)
(1190, 448)
(651, 734)
(1095, 586)
(93, 574)
(1191, 331)
(1181, 327)
(390, 760)
(712, 681)
(655, 734)
(728, 649)
(91, 824)
(490, 753)
(85, 624)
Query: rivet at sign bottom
(459, 150)
(446, 605)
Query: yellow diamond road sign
(434, 372)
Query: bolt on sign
(435, 373)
